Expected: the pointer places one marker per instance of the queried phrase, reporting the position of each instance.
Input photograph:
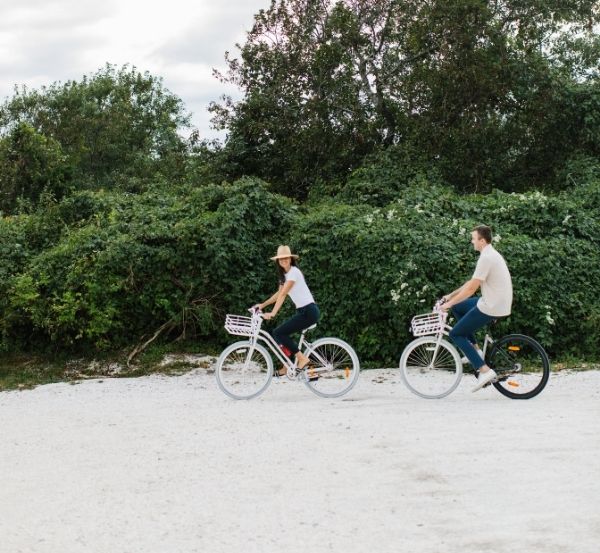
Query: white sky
(43, 41)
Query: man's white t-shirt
(299, 293)
(496, 283)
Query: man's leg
(464, 330)
(461, 309)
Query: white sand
(169, 464)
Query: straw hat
(284, 251)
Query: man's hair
(484, 232)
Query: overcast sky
(43, 41)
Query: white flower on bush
(462, 231)
(369, 219)
(566, 219)
(403, 285)
(549, 318)
(496, 238)
(418, 209)
(390, 214)
(395, 296)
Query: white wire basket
(429, 323)
(241, 326)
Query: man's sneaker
(484, 378)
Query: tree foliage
(114, 128)
(490, 91)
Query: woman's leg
(304, 317)
(301, 320)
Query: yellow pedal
(513, 384)
(514, 348)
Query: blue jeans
(469, 319)
(304, 317)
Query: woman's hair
(281, 272)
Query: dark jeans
(469, 319)
(304, 317)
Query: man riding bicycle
(493, 276)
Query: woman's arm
(271, 300)
(281, 295)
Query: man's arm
(462, 293)
(452, 294)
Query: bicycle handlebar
(438, 304)
(256, 311)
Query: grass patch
(26, 371)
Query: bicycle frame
(487, 341)
(264, 336)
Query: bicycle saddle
(498, 319)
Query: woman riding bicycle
(292, 283)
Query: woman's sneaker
(484, 378)
(311, 375)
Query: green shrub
(105, 268)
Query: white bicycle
(431, 367)
(245, 369)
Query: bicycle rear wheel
(430, 370)
(522, 366)
(333, 369)
(244, 371)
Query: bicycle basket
(241, 326)
(429, 323)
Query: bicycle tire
(424, 379)
(336, 365)
(236, 379)
(504, 356)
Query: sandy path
(171, 465)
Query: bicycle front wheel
(333, 369)
(244, 371)
(522, 366)
(430, 368)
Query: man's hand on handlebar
(442, 304)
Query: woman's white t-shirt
(299, 292)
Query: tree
(464, 82)
(30, 164)
(115, 126)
